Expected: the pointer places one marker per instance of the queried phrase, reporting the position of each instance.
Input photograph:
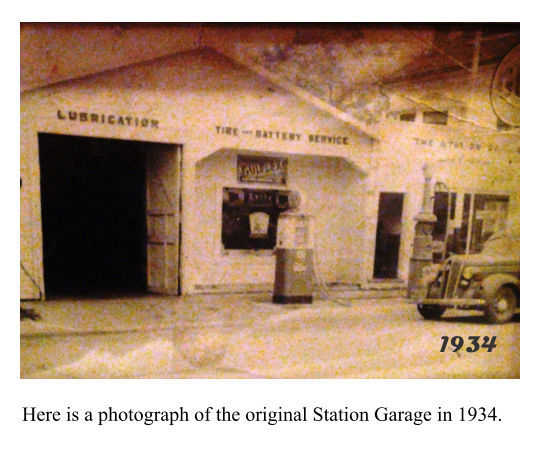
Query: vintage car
(488, 281)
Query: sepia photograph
(270, 200)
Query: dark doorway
(93, 213)
(388, 236)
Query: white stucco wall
(190, 95)
(463, 159)
(332, 191)
(195, 95)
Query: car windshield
(502, 243)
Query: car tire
(431, 312)
(501, 307)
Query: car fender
(492, 283)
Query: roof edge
(294, 89)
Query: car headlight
(466, 277)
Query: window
(436, 117)
(486, 213)
(490, 213)
(249, 217)
(501, 125)
(408, 116)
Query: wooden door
(163, 164)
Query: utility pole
(473, 92)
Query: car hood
(485, 259)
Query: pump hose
(32, 280)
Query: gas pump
(294, 255)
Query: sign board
(252, 169)
(505, 89)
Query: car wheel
(502, 306)
(431, 312)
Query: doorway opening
(388, 238)
(95, 196)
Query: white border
(59, 448)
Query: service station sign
(253, 169)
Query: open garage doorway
(388, 238)
(110, 216)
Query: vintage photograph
(278, 200)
